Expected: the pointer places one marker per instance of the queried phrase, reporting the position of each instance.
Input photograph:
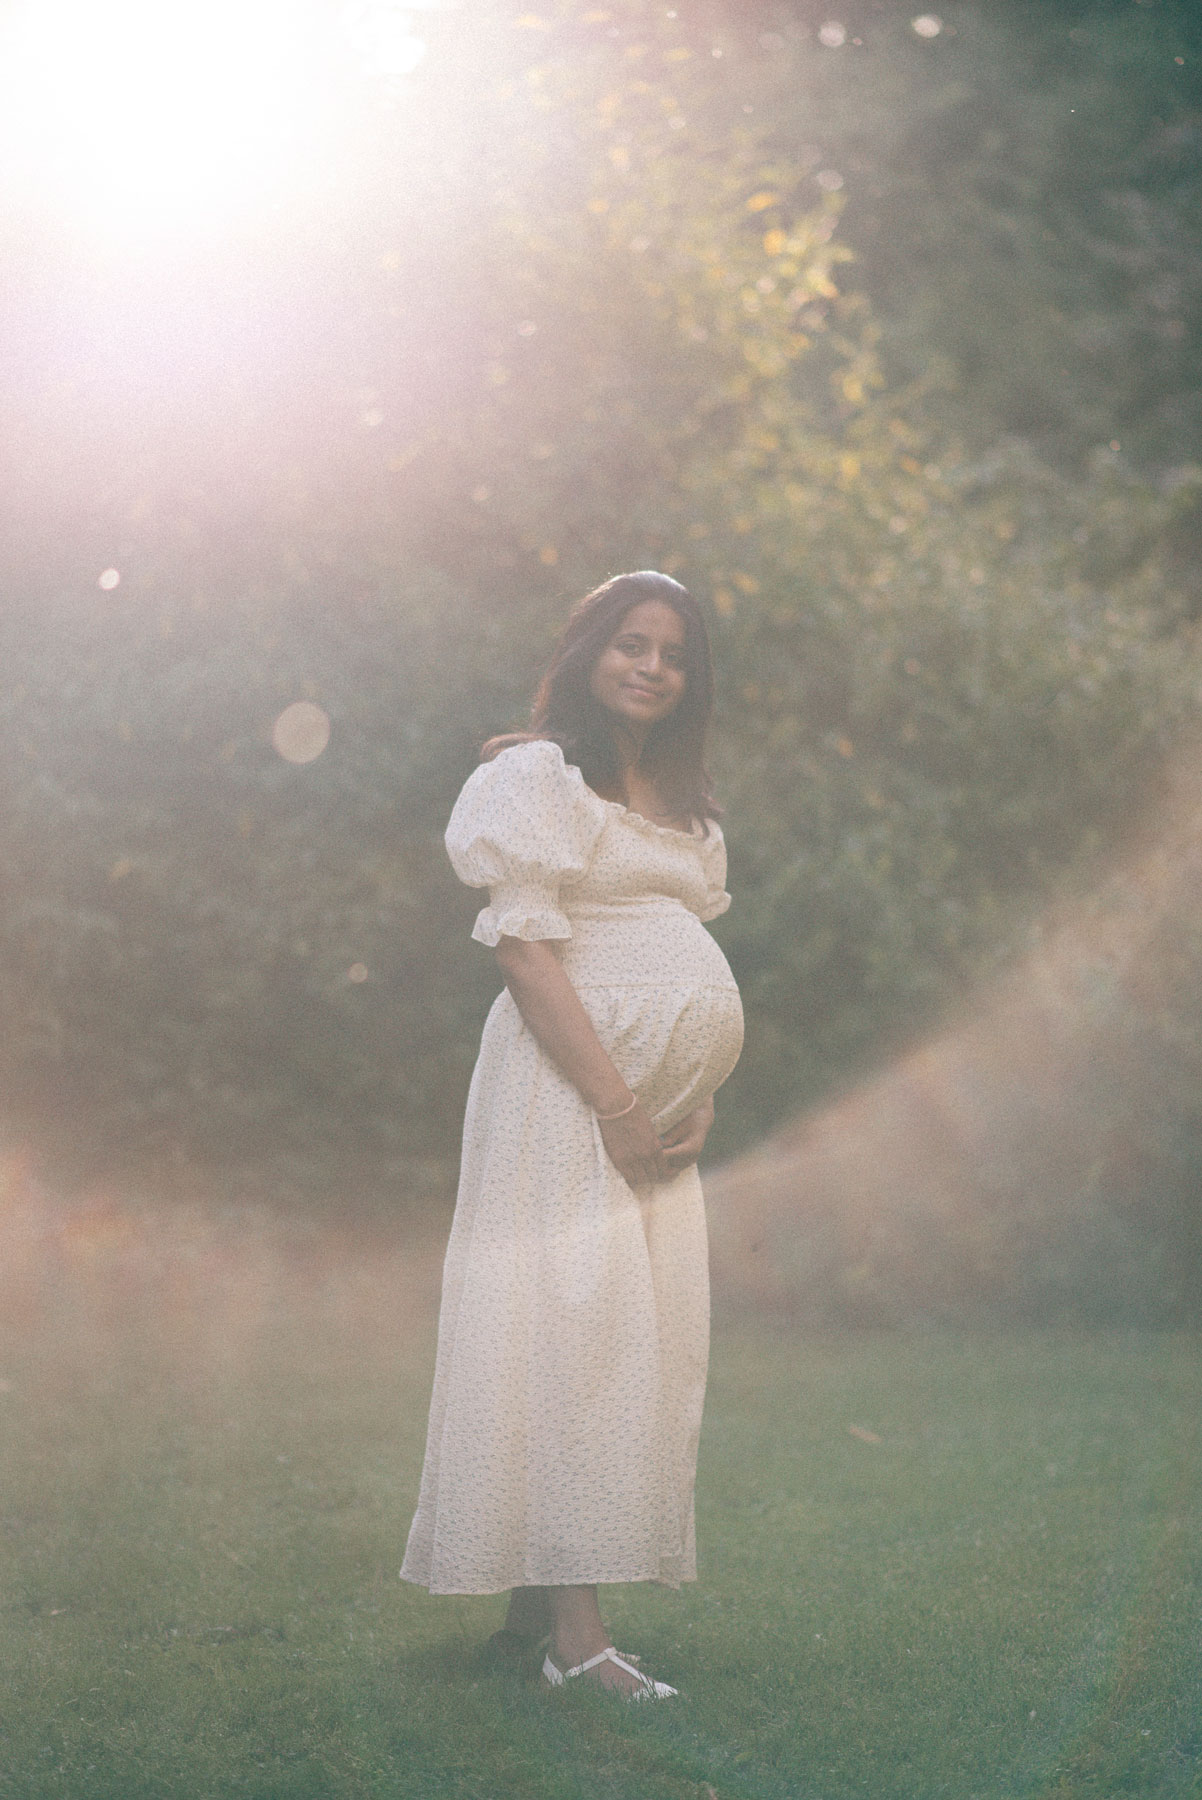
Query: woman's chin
(641, 714)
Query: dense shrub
(606, 321)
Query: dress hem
(498, 1586)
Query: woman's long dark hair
(565, 710)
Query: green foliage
(611, 316)
(924, 749)
(1023, 198)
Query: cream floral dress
(574, 1332)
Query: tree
(605, 322)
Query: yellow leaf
(531, 22)
(762, 201)
(724, 602)
(678, 55)
(849, 466)
(746, 584)
(774, 242)
(619, 156)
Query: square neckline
(696, 832)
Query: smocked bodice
(557, 858)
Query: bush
(606, 323)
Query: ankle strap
(609, 1654)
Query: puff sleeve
(713, 858)
(523, 826)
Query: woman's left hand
(686, 1140)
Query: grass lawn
(989, 1587)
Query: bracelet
(604, 1118)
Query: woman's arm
(555, 1014)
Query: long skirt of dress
(572, 1349)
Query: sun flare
(139, 116)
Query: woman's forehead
(653, 618)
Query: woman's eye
(633, 647)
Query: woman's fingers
(634, 1147)
(686, 1140)
(652, 1167)
(641, 1157)
(643, 1174)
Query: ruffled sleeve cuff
(715, 905)
(528, 913)
(524, 826)
(713, 857)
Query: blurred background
(346, 345)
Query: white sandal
(647, 1690)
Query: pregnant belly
(663, 1001)
(673, 1047)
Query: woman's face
(640, 676)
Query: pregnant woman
(574, 1332)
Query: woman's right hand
(633, 1146)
